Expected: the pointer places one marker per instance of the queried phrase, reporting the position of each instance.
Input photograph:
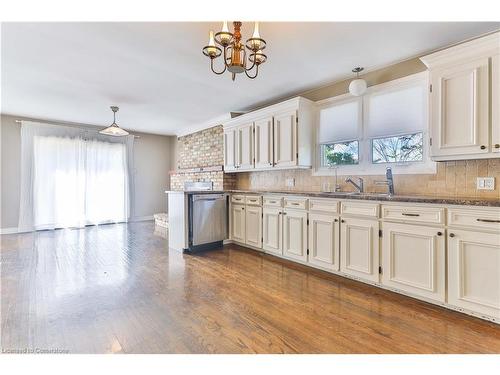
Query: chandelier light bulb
(212, 51)
(225, 35)
(255, 41)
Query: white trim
(9, 230)
(365, 167)
(140, 218)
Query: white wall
(153, 159)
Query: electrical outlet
(290, 182)
(485, 183)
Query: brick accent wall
(201, 149)
(196, 151)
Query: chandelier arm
(254, 64)
(256, 73)
(212, 67)
(225, 58)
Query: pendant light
(357, 87)
(114, 129)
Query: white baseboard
(9, 230)
(141, 218)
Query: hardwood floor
(116, 288)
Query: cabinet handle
(497, 145)
(483, 147)
(295, 204)
(407, 214)
(452, 234)
(488, 220)
(284, 213)
(439, 233)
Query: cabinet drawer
(271, 201)
(415, 214)
(476, 218)
(253, 200)
(298, 203)
(359, 209)
(238, 198)
(324, 205)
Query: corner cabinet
(464, 100)
(275, 137)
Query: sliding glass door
(78, 182)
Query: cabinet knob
(439, 233)
(483, 147)
(497, 145)
(452, 234)
(342, 221)
(335, 220)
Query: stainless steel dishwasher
(207, 220)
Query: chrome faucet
(389, 181)
(360, 186)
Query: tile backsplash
(452, 179)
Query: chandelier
(234, 53)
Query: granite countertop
(489, 202)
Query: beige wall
(153, 158)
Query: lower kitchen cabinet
(324, 241)
(359, 248)
(238, 227)
(253, 226)
(413, 259)
(474, 271)
(295, 234)
(272, 228)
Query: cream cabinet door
(272, 230)
(264, 143)
(285, 139)
(230, 149)
(245, 147)
(474, 271)
(324, 241)
(253, 222)
(413, 259)
(238, 226)
(460, 109)
(359, 248)
(495, 98)
(295, 234)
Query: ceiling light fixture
(357, 87)
(234, 54)
(114, 129)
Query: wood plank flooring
(118, 289)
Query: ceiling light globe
(357, 87)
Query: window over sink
(388, 126)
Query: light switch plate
(290, 182)
(485, 183)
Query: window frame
(365, 165)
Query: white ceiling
(158, 76)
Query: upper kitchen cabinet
(281, 137)
(464, 100)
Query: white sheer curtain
(72, 177)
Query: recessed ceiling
(158, 76)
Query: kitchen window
(388, 126)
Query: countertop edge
(380, 198)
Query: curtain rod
(19, 121)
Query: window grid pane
(399, 149)
(344, 153)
